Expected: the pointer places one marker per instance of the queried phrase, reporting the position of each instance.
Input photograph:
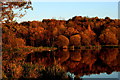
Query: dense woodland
(78, 31)
(21, 63)
(19, 41)
(26, 46)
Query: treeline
(78, 31)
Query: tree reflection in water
(80, 62)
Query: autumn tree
(85, 39)
(70, 23)
(61, 29)
(21, 31)
(77, 18)
(75, 40)
(32, 32)
(62, 41)
(70, 31)
(10, 40)
(114, 30)
(98, 27)
(10, 10)
(118, 35)
(55, 31)
(9, 37)
(87, 36)
(35, 34)
(107, 37)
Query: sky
(66, 10)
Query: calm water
(104, 63)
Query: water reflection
(80, 62)
(102, 75)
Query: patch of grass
(39, 48)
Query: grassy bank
(29, 48)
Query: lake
(103, 63)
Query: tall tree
(9, 9)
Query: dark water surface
(104, 63)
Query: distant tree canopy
(78, 31)
(8, 12)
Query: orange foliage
(91, 31)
